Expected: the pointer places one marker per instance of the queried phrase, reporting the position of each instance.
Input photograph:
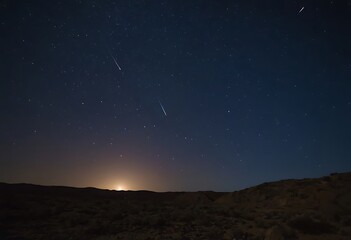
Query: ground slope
(288, 209)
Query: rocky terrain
(288, 209)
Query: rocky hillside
(311, 208)
(288, 209)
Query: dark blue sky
(253, 91)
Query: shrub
(308, 225)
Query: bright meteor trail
(164, 111)
(301, 10)
(114, 59)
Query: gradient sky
(253, 91)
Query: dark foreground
(290, 209)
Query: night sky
(174, 95)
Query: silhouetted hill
(288, 209)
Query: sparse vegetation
(309, 225)
(272, 211)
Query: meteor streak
(164, 111)
(114, 59)
(301, 9)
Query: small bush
(308, 225)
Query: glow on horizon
(121, 188)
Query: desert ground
(288, 209)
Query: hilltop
(288, 209)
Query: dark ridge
(287, 209)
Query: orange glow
(120, 188)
